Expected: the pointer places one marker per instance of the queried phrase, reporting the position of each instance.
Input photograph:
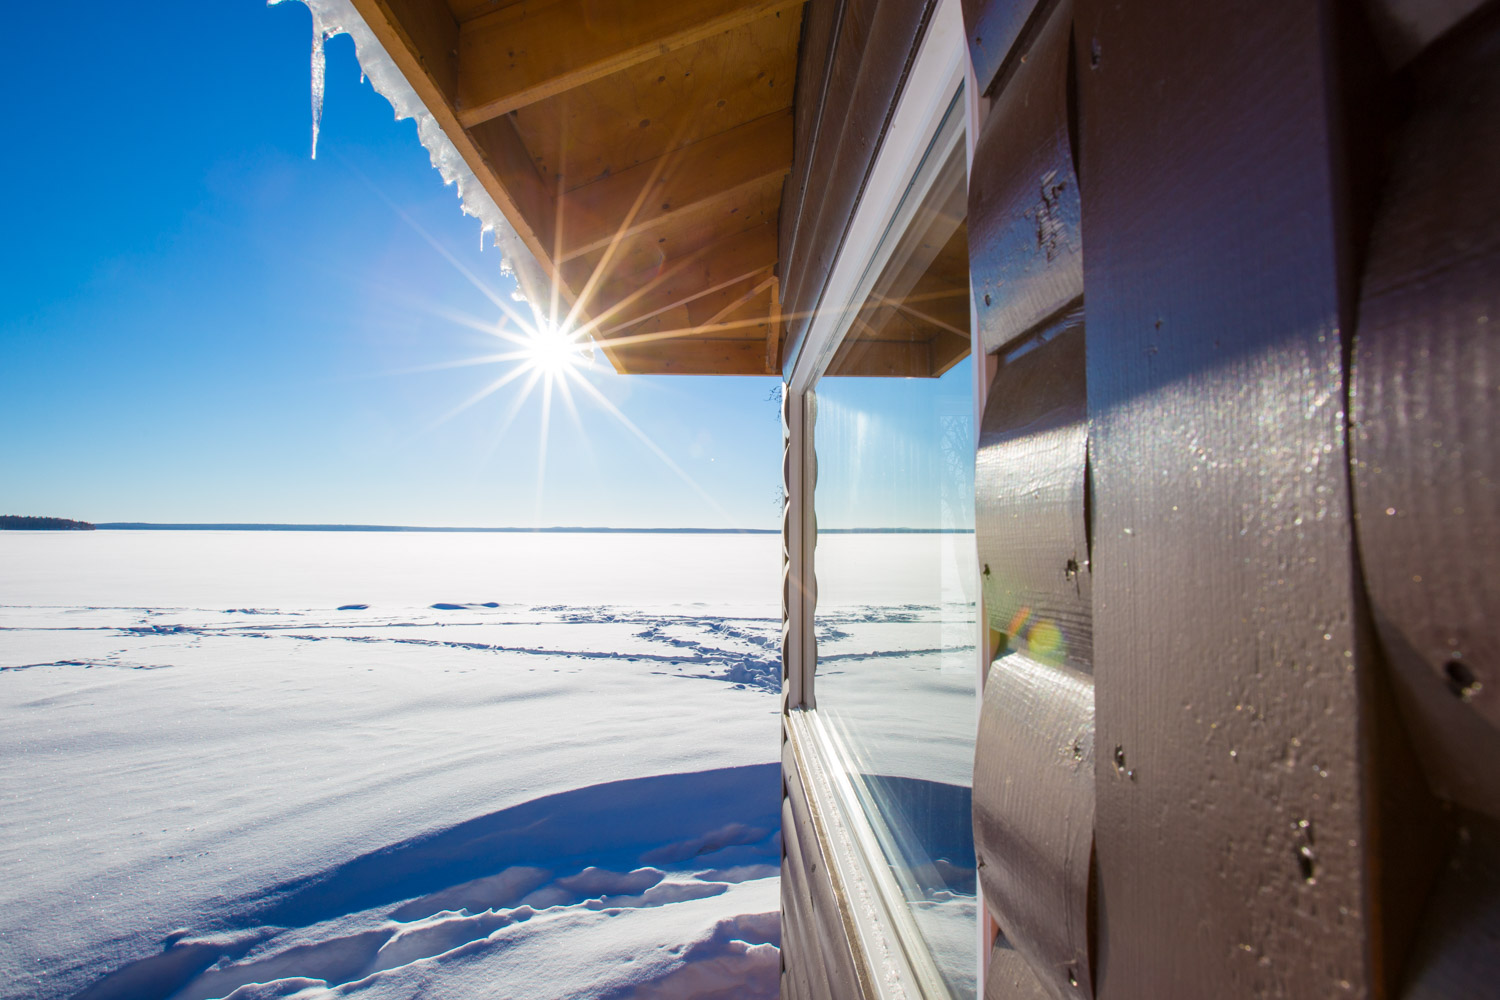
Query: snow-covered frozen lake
(388, 765)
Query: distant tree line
(19, 522)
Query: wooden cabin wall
(1239, 266)
(852, 61)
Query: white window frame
(900, 966)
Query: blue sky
(198, 322)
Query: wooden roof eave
(594, 237)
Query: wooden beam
(883, 359)
(736, 258)
(718, 169)
(733, 312)
(694, 357)
(944, 351)
(504, 152)
(728, 310)
(428, 31)
(537, 49)
(773, 332)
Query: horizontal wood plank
(684, 181)
(536, 49)
(612, 124)
(732, 260)
(883, 359)
(693, 357)
(1025, 233)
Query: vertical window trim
(898, 965)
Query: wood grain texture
(1029, 489)
(463, 10)
(1426, 410)
(679, 98)
(509, 162)
(1231, 850)
(650, 195)
(535, 49)
(993, 29)
(431, 33)
(694, 357)
(721, 265)
(1034, 815)
(874, 45)
(685, 232)
(1025, 244)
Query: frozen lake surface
(278, 764)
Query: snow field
(442, 797)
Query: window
(896, 615)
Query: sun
(553, 351)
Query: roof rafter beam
(536, 49)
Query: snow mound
(411, 913)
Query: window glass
(896, 612)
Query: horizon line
(554, 529)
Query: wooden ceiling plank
(536, 49)
(883, 359)
(706, 316)
(629, 300)
(614, 123)
(925, 316)
(718, 169)
(648, 252)
(729, 329)
(702, 357)
(464, 10)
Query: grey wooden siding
(1425, 388)
(1298, 702)
(1034, 759)
(998, 32)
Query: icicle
(321, 31)
(318, 63)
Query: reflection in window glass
(895, 626)
(896, 614)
